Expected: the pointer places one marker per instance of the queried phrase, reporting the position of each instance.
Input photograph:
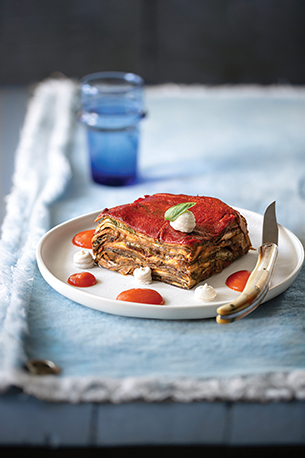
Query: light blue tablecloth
(244, 145)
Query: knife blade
(258, 283)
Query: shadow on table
(192, 451)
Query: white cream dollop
(185, 222)
(205, 293)
(143, 275)
(83, 259)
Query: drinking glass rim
(136, 81)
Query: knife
(257, 285)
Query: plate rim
(75, 294)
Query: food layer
(137, 235)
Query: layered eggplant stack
(137, 235)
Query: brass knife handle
(257, 285)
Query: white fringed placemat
(244, 145)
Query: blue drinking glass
(112, 108)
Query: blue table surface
(27, 421)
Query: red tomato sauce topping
(238, 280)
(83, 239)
(142, 295)
(82, 280)
(146, 215)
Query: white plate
(55, 261)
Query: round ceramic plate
(55, 261)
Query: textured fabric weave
(244, 145)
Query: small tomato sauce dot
(238, 280)
(142, 295)
(82, 279)
(83, 239)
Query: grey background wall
(183, 41)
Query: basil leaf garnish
(173, 212)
